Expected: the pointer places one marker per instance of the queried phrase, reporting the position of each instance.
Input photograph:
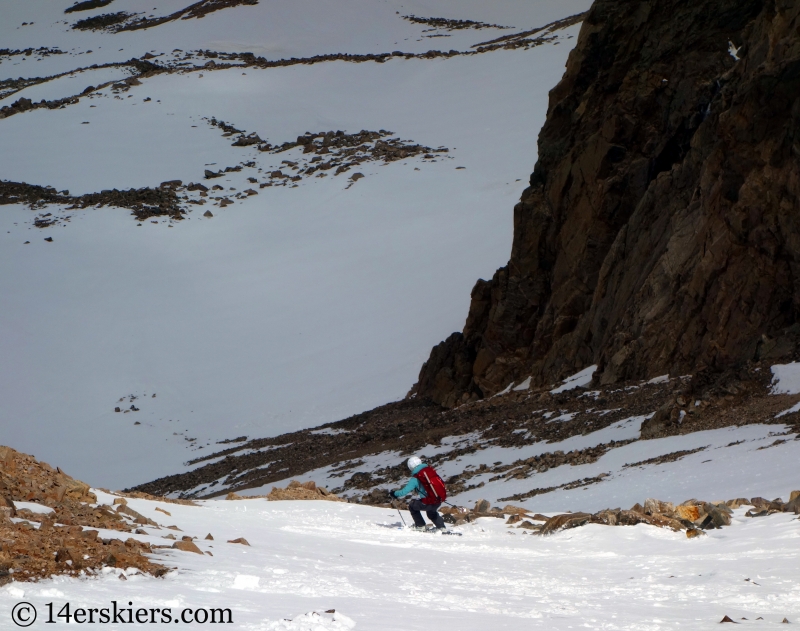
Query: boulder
(689, 513)
(529, 525)
(187, 546)
(564, 522)
(715, 517)
(738, 502)
(510, 509)
(653, 506)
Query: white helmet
(414, 462)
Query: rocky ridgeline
(42, 51)
(328, 151)
(294, 491)
(693, 516)
(446, 24)
(142, 69)
(104, 22)
(66, 540)
(123, 21)
(143, 202)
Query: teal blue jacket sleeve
(413, 485)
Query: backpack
(435, 491)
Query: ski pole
(401, 515)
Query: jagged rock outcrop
(660, 232)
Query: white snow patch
(525, 385)
(659, 379)
(791, 410)
(505, 390)
(245, 581)
(786, 378)
(578, 380)
(563, 418)
(34, 507)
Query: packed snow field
(308, 558)
(299, 305)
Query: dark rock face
(660, 232)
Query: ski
(432, 531)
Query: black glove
(392, 496)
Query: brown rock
(510, 509)
(482, 506)
(689, 513)
(727, 619)
(529, 525)
(739, 501)
(7, 507)
(187, 546)
(691, 533)
(240, 540)
(653, 506)
(208, 537)
(564, 522)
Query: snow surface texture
(289, 309)
(307, 558)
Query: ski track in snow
(316, 556)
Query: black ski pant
(415, 507)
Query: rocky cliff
(661, 228)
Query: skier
(431, 492)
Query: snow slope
(291, 308)
(307, 557)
